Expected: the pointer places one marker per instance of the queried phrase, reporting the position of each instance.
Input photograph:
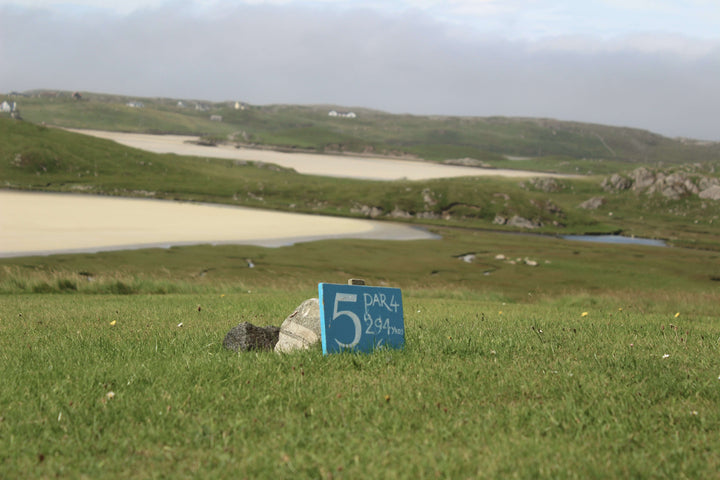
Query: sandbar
(34, 223)
(345, 166)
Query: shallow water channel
(616, 239)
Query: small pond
(617, 239)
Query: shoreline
(45, 223)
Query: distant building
(202, 108)
(334, 113)
(135, 104)
(181, 104)
(7, 107)
(76, 96)
(216, 118)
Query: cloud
(403, 62)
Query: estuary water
(616, 239)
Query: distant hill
(503, 142)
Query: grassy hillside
(539, 144)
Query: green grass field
(601, 362)
(598, 362)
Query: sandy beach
(371, 168)
(46, 223)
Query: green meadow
(538, 358)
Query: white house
(135, 104)
(334, 113)
(216, 118)
(8, 107)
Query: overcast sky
(652, 64)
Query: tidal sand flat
(346, 166)
(47, 223)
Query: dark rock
(246, 336)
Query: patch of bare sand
(345, 166)
(45, 223)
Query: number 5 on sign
(360, 318)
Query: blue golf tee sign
(359, 318)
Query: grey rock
(372, 212)
(592, 204)
(429, 198)
(301, 329)
(711, 193)
(397, 213)
(706, 182)
(429, 215)
(246, 336)
(467, 257)
(521, 222)
(616, 183)
(546, 184)
(642, 178)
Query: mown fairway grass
(109, 386)
(601, 363)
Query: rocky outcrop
(516, 221)
(673, 186)
(642, 178)
(616, 183)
